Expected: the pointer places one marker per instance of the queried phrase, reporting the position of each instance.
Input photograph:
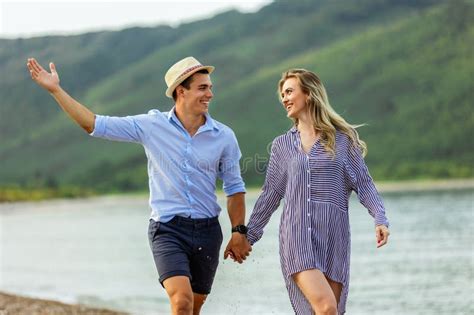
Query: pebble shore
(18, 305)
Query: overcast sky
(39, 17)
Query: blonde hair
(325, 119)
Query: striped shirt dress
(314, 227)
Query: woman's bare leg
(336, 289)
(317, 291)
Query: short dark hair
(187, 83)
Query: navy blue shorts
(187, 247)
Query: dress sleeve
(361, 182)
(272, 192)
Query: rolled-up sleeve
(127, 129)
(361, 182)
(229, 167)
(270, 198)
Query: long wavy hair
(324, 117)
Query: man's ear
(179, 90)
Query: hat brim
(172, 87)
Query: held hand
(238, 248)
(381, 234)
(48, 81)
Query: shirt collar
(208, 125)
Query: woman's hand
(48, 81)
(381, 234)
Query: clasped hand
(238, 248)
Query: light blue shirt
(182, 170)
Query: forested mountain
(402, 67)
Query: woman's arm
(361, 182)
(272, 193)
(266, 204)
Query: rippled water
(95, 251)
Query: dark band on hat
(190, 69)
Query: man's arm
(238, 247)
(236, 208)
(50, 82)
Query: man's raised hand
(48, 81)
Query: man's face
(196, 100)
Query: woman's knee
(324, 306)
(327, 308)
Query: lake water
(95, 251)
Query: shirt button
(199, 248)
(308, 171)
(308, 199)
(309, 185)
(309, 214)
(309, 229)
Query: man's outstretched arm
(50, 82)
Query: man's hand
(48, 81)
(238, 248)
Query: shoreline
(20, 305)
(382, 187)
(425, 185)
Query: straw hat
(182, 70)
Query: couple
(314, 166)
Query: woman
(315, 166)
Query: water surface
(95, 251)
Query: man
(187, 151)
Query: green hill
(402, 67)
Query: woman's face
(293, 98)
